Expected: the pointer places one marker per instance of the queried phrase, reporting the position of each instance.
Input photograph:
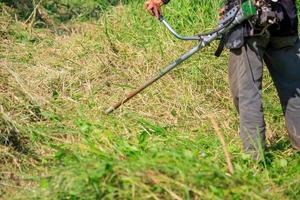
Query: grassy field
(56, 143)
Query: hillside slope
(56, 143)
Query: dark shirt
(289, 25)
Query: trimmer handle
(170, 28)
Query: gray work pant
(282, 57)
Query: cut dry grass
(161, 145)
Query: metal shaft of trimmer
(154, 79)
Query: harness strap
(221, 46)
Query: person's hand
(221, 13)
(153, 6)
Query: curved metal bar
(223, 23)
(169, 27)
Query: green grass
(161, 145)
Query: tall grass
(161, 145)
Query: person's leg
(245, 78)
(283, 61)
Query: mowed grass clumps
(161, 145)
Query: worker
(275, 43)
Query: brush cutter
(232, 18)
